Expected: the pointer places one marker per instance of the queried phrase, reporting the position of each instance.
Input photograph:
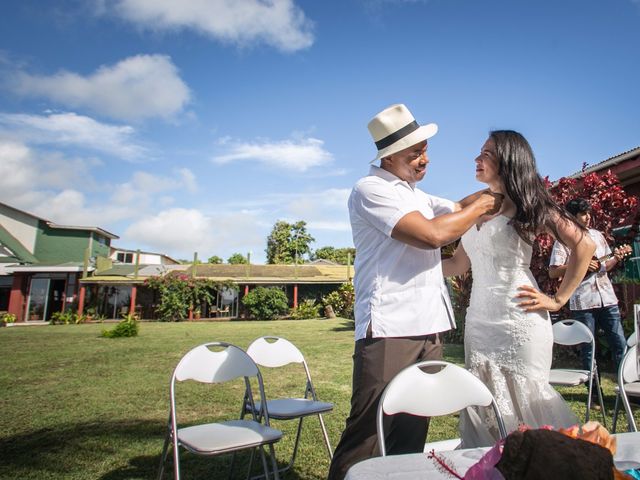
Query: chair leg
(274, 462)
(265, 467)
(295, 446)
(326, 436)
(589, 390)
(631, 423)
(616, 408)
(163, 456)
(253, 452)
(176, 459)
(601, 400)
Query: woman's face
(487, 165)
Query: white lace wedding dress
(508, 349)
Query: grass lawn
(78, 406)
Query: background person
(401, 302)
(594, 302)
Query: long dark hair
(535, 209)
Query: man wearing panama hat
(401, 303)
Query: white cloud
(65, 189)
(145, 188)
(183, 231)
(292, 155)
(70, 129)
(136, 88)
(279, 23)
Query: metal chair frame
(628, 385)
(203, 365)
(572, 332)
(275, 352)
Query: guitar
(622, 250)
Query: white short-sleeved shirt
(399, 289)
(596, 291)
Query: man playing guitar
(594, 302)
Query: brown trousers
(375, 362)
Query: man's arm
(418, 231)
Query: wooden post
(81, 300)
(132, 307)
(295, 296)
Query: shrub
(179, 293)
(341, 300)
(266, 303)
(127, 327)
(63, 318)
(7, 318)
(306, 309)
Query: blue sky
(195, 125)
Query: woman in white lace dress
(508, 338)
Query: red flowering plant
(180, 293)
(611, 207)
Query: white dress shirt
(399, 289)
(596, 291)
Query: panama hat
(395, 129)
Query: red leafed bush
(611, 207)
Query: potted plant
(7, 319)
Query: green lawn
(78, 406)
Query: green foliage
(342, 256)
(214, 259)
(179, 293)
(341, 300)
(66, 318)
(127, 327)
(288, 242)
(266, 303)
(7, 317)
(237, 259)
(306, 310)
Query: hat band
(397, 135)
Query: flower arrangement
(542, 453)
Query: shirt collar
(389, 177)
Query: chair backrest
(427, 394)
(571, 332)
(274, 352)
(632, 340)
(207, 366)
(629, 367)
(201, 364)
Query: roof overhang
(45, 269)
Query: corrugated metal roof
(275, 273)
(609, 162)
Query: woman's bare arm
(582, 249)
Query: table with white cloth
(420, 466)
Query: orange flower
(595, 433)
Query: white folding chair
(629, 384)
(631, 341)
(573, 332)
(417, 392)
(274, 352)
(214, 363)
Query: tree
(288, 242)
(341, 256)
(215, 259)
(237, 259)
